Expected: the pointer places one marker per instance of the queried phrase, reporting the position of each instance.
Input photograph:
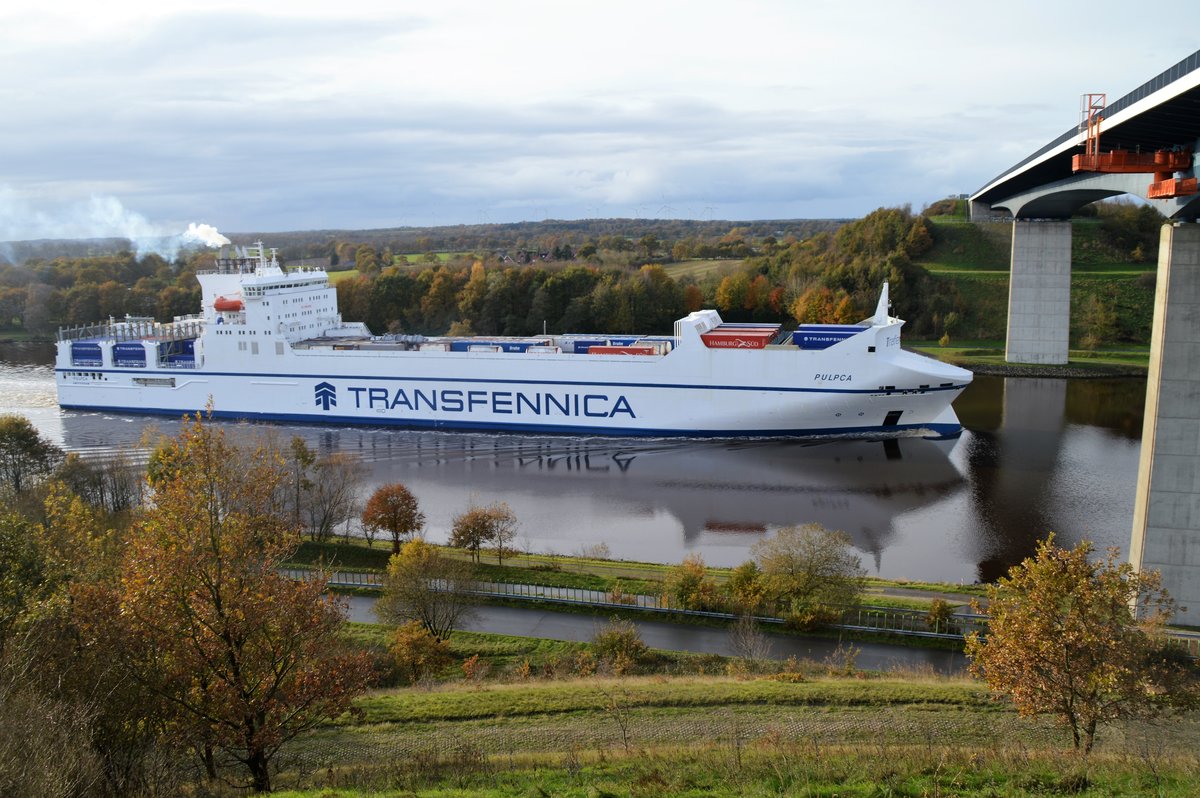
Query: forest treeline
(584, 277)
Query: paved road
(549, 625)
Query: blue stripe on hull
(937, 430)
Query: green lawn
(347, 274)
(700, 269)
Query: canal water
(1036, 455)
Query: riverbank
(620, 577)
(853, 734)
(987, 358)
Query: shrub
(619, 644)
(940, 616)
(475, 669)
(689, 587)
(418, 652)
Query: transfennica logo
(326, 395)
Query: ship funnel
(881, 310)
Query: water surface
(1037, 455)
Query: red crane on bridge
(1161, 163)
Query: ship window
(254, 347)
(279, 347)
(870, 349)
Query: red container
(737, 339)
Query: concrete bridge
(1161, 117)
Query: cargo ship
(269, 344)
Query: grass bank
(604, 736)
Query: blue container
(626, 341)
(86, 354)
(129, 355)
(823, 336)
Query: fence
(866, 618)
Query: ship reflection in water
(1037, 456)
(652, 500)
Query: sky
(140, 118)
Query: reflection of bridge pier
(1009, 468)
(1158, 132)
(1166, 515)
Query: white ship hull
(247, 365)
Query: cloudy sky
(261, 116)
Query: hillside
(1112, 285)
(786, 733)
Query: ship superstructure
(269, 344)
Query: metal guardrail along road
(889, 620)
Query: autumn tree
(301, 460)
(810, 570)
(478, 526)
(690, 587)
(245, 657)
(746, 588)
(1080, 639)
(393, 509)
(422, 584)
(25, 456)
(469, 530)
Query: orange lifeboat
(228, 303)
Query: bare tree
(748, 640)
(332, 495)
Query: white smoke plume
(100, 217)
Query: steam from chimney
(204, 234)
(100, 217)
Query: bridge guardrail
(864, 618)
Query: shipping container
(580, 346)
(86, 354)
(621, 350)
(130, 354)
(823, 336)
(736, 339)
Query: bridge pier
(1166, 513)
(1039, 293)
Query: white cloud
(293, 115)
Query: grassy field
(1135, 357)
(696, 735)
(337, 277)
(700, 269)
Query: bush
(941, 613)
(418, 652)
(689, 587)
(620, 645)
